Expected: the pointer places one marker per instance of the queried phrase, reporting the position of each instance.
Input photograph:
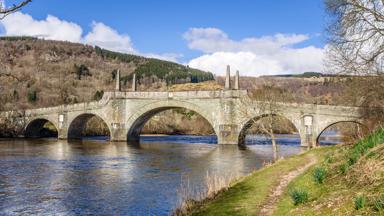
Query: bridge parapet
(179, 94)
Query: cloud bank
(254, 56)
(53, 28)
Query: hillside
(40, 73)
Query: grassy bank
(349, 180)
(247, 196)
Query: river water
(58, 177)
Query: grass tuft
(360, 202)
(343, 168)
(319, 174)
(299, 196)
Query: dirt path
(269, 205)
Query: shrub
(299, 196)
(319, 174)
(352, 159)
(360, 202)
(81, 70)
(379, 203)
(114, 73)
(98, 95)
(32, 96)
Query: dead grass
(190, 196)
(208, 85)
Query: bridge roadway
(230, 113)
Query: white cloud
(243, 61)
(104, 36)
(53, 28)
(255, 56)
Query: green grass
(299, 196)
(340, 193)
(335, 185)
(246, 196)
(319, 174)
(360, 202)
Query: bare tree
(4, 11)
(356, 36)
(269, 120)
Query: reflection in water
(330, 137)
(84, 177)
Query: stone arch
(137, 121)
(247, 123)
(35, 128)
(328, 125)
(77, 125)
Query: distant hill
(43, 73)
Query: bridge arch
(360, 127)
(77, 125)
(41, 127)
(137, 121)
(247, 123)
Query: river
(58, 177)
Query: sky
(256, 37)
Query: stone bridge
(230, 113)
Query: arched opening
(40, 128)
(341, 132)
(273, 130)
(181, 125)
(88, 126)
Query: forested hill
(39, 73)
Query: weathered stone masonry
(125, 113)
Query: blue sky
(204, 34)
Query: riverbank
(351, 183)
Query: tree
(98, 95)
(356, 46)
(12, 124)
(81, 70)
(4, 11)
(356, 36)
(268, 99)
(32, 96)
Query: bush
(360, 202)
(98, 95)
(319, 174)
(32, 96)
(299, 196)
(81, 70)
